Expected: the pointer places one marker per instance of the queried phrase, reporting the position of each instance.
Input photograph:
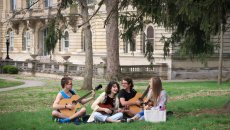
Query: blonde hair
(156, 86)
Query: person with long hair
(156, 98)
(106, 106)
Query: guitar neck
(145, 93)
(79, 99)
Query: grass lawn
(9, 83)
(196, 105)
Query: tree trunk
(112, 41)
(220, 55)
(87, 83)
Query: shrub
(5, 69)
(10, 69)
(13, 70)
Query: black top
(126, 95)
(109, 101)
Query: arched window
(65, 41)
(130, 47)
(150, 34)
(148, 37)
(26, 41)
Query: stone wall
(194, 69)
(35, 67)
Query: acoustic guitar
(75, 100)
(135, 108)
(109, 106)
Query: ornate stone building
(28, 29)
(26, 21)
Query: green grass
(9, 83)
(30, 108)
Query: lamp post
(7, 47)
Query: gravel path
(28, 83)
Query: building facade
(26, 24)
(28, 28)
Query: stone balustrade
(134, 71)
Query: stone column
(101, 69)
(34, 64)
(66, 64)
(163, 71)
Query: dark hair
(129, 81)
(65, 80)
(110, 85)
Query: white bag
(155, 115)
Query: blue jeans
(141, 115)
(102, 117)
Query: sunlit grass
(8, 83)
(30, 108)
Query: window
(30, 3)
(26, 41)
(150, 34)
(149, 37)
(11, 40)
(90, 2)
(83, 41)
(12, 5)
(48, 3)
(130, 47)
(44, 50)
(65, 41)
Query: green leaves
(193, 22)
(52, 37)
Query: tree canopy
(192, 22)
(52, 36)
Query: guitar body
(67, 111)
(109, 106)
(134, 108)
(75, 99)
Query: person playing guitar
(66, 93)
(106, 106)
(126, 94)
(156, 98)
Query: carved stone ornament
(15, 26)
(72, 21)
(31, 24)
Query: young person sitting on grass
(156, 98)
(125, 94)
(106, 106)
(66, 93)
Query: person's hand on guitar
(108, 111)
(125, 109)
(138, 102)
(70, 106)
(93, 94)
(149, 105)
